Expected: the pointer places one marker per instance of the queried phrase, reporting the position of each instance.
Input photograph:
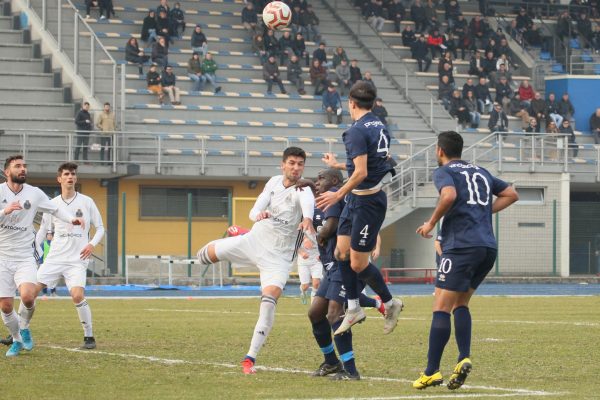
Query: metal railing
(78, 42)
(542, 7)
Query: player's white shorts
(74, 274)
(14, 273)
(245, 250)
(309, 268)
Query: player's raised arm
(48, 206)
(327, 199)
(331, 161)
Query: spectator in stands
(163, 25)
(250, 19)
(194, 70)
(106, 6)
(332, 104)
(88, 7)
(565, 127)
(199, 42)
(163, 6)
(552, 127)
(160, 52)
(516, 109)
(476, 64)
(286, 44)
(483, 96)
(168, 82)
(458, 109)
(538, 108)
(342, 73)
(421, 54)
(460, 31)
(468, 86)
(209, 68)
(408, 36)
(294, 74)
(595, 125)
(503, 93)
(311, 23)
(435, 42)
(595, 41)
(502, 61)
(396, 13)
(445, 90)
(431, 16)
(447, 71)
(355, 74)
(134, 54)
(258, 46)
(503, 73)
(471, 104)
(563, 26)
(503, 49)
(107, 125)
(566, 109)
(318, 76)
(533, 126)
(149, 27)
(451, 43)
(446, 58)
(296, 21)
(299, 47)
(271, 75)
(534, 37)
(553, 109)
(478, 31)
(83, 123)
(321, 55)
(153, 82)
(498, 120)
(584, 27)
(452, 11)
(367, 78)
(374, 14)
(489, 66)
(417, 14)
(526, 93)
(177, 17)
(490, 47)
(523, 21)
(380, 111)
(338, 56)
(271, 43)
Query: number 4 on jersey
(383, 146)
(365, 231)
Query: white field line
(171, 361)
(437, 396)
(493, 321)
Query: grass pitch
(525, 348)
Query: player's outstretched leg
(354, 313)
(321, 328)
(263, 327)
(372, 277)
(439, 334)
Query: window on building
(530, 195)
(170, 202)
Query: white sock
(353, 304)
(25, 315)
(85, 317)
(12, 323)
(388, 304)
(377, 303)
(263, 327)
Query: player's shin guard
(85, 317)
(350, 280)
(438, 338)
(343, 343)
(322, 334)
(25, 315)
(462, 331)
(372, 277)
(266, 318)
(11, 321)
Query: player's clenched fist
(14, 206)
(262, 215)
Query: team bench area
(398, 275)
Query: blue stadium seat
(545, 56)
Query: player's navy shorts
(332, 287)
(462, 269)
(362, 218)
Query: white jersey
(69, 239)
(17, 235)
(287, 207)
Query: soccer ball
(277, 15)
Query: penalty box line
(171, 361)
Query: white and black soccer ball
(277, 15)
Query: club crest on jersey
(79, 214)
(275, 210)
(4, 201)
(27, 205)
(442, 278)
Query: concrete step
(25, 110)
(5, 23)
(32, 95)
(25, 80)
(11, 36)
(9, 50)
(39, 123)
(21, 65)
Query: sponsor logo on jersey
(79, 214)
(13, 228)
(27, 205)
(70, 235)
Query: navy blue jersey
(327, 252)
(368, 136)
(468, 223)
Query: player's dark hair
(68, 166)
(335, 173)
(451, 143)
(11, 159)
(363, 94)
(293, 151)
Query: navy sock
(438, 338)
(343, 343)
(350, 279)
(462, 331)
(322, 333)
(372, 277)
(366, 301)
